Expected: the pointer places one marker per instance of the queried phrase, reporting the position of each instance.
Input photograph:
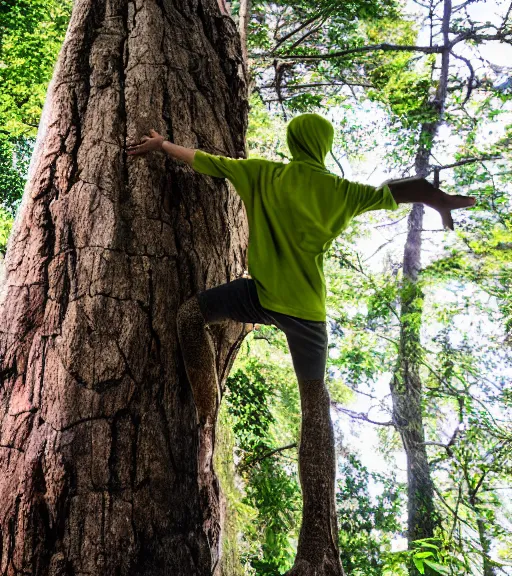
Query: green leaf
(424, 544)
(423, 554)
(437, 567)
(419, 565)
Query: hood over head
(309, 138)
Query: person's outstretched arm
(156, 141)
(239, 171)
(410, 190)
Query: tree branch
(474, 491)
(471, 76)
(439, 444)
(465, 161)
(339, 165)
(442, 89)
(463, 5)
(293, 32)
(455, 514)
(391, 223)
(507, 15)
(305, 35)
(383, 47)
(244, 17)
(470, 35)
(266, 455)
(378, 249)
(359, 415)
(299, 86)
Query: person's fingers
(470, 199)
(459, 201)
(153, 133)
(133, 146)
(465, 200)
(140, 149)
(142, 141)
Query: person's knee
(310, 375)
(189, 313)
(311, 383)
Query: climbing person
(294, 211)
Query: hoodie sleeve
(240, 172)
(361, 198)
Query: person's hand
(149, 143)
(409, 190)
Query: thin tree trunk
(98, 439)
(245, 15)
(485, 542)
(406, 387)
(406, 390)
(483, 536)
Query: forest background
(420, 320)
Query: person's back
(294, 212)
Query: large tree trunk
(98, 446)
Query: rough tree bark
(98, 439)
(406, 386)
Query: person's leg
(228, 301)
(317, 550)
(231, 301)
(199, 359)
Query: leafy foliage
(6, 222)
(31, 34)
(270, 488)
(14, 159)
(367, 524)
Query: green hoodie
(295, 211)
